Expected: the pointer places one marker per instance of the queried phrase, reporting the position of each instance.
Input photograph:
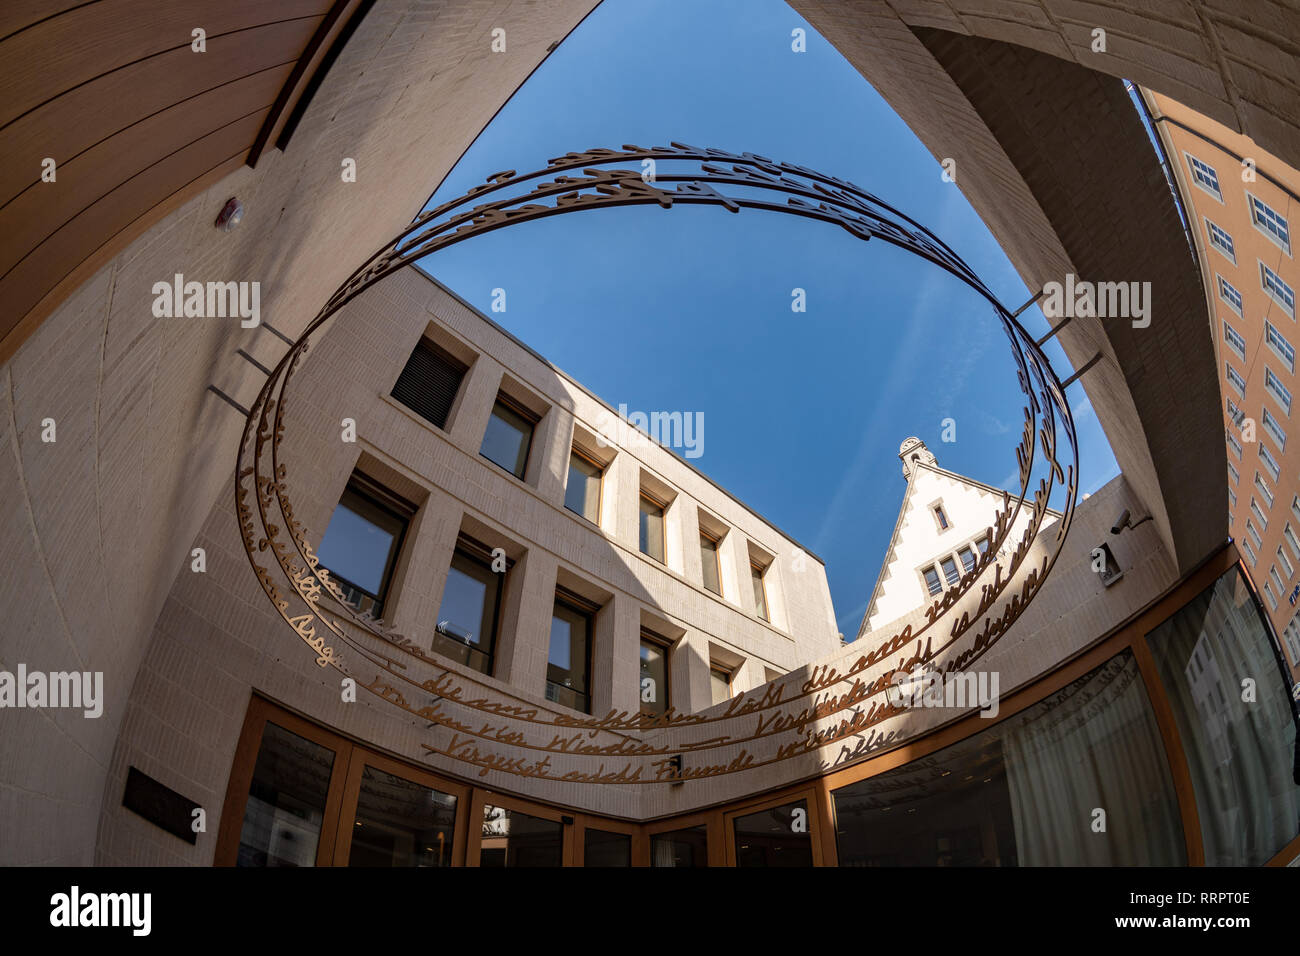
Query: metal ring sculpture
(381, 660)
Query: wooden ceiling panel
(135, 120)
(108, 104)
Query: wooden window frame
(575, 449)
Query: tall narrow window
(508, 436)
(654, 673)
(720, 684)
(652, 527)
(362, 542)
(760, 592)
(1281, 394)
(582, 494)
(967, 559)
(1293, 543)
(471, 607)
(568, 662)
(932, 582)
(982, 543)
(940, 518)
(709, 562)
(1234, 340)
(950, 571)
(1229, 294)
(429, 382)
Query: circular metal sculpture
(475, 723)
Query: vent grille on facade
(429, 383)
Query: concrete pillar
(470, 417)
(616, 657)
(688, 673)
(525, 634)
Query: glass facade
(1231, 702)
(781, 836)
(511, 838)
(685, 847)
(1079, 779)
(286, 801)
(401, 823)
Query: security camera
(1123, 522)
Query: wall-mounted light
(230, 216)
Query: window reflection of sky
(355, 549)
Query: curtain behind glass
(1099, 749)
(1240, 753)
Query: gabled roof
(917, 467)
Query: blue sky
(688, 309)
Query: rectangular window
(1285, 559)
(1234, 340)
(1264, 489)
(1280, 346)
(1229, 294)
(1234, 444)
(1220, 240)
(1254, 534)
(1273, 385)
(1294, 544)
(1275, 430)
(776, 837)
(471, 606)
(582, 493)
(1232, 502)
(967, 559)
(1234, 413)
(1235, 379)
(1203, 175)
(652, 527)
(940, 518)
(511, 839)
(950, 571)
(1250, 552)
(1277, 578)
(932, 582)
(1295, 506)
(508, 436)
(720, 684)
(1233, 474)
(654, 673)
(429, 382)
(362, 542)
(1269, 462)
(760, 592)
(1278, 291)
(1268, 592)
(1271, 223)
(568, 661)
(982, 543)
(1259, 515)
(1292, 635)
(709, 563)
